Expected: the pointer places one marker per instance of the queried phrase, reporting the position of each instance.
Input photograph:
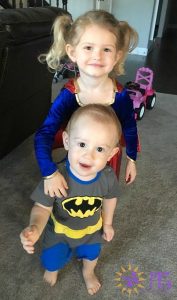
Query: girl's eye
(100, 149)
(88, 48)
(82, 145)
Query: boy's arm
(38, 220)
(108, 213)
(39, 216)
(108, 210)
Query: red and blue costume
(59, 114)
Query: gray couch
(25, 84)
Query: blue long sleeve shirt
(61, 111)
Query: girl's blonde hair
(68, 32)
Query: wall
(78, 7)
(137, 12)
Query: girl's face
(96, 53)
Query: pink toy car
(67, 70)
(141, 91)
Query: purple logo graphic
(160, 281)
(131, 281)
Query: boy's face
(90, 145)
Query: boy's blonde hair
(100, 113)
(68, 32)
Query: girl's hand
(108, 232)
(130, 173)
(55, 186)
(29, 236)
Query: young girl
(98, 43)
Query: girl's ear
(70, 52)
(65, 140)
(114, 151)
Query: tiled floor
(163, 61)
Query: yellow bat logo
(82, 207)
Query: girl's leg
(91, 281)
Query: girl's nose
(96, 54)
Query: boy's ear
(65, 140)
(70, 52)
(114, 151)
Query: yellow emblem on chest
(82, 207)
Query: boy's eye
(107, 50)
(82, 145)
(100, 149)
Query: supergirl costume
(60, 112)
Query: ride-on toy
(67, 70)
(141, 91)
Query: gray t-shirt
(76, 219)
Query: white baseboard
(140, 51)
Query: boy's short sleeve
(39, 196)
(113, 184)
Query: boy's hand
(29, 236)
(108, 232)
(55, 186)
(130, 173)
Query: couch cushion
(25, 24)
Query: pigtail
(61, 28)
(127, 42)
(129, 37)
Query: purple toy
(67, 70)
(141, 91)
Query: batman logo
(82, 207)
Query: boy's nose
(89, 154)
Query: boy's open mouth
(85, 166)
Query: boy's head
(91, 139)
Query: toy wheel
(131, 85)
(140, 111)
(60, 77)
(150, 101)
(55, 80)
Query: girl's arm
(38, 220)
(59, 114)
(125, 112)
(108, 213)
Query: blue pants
(55, 257)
